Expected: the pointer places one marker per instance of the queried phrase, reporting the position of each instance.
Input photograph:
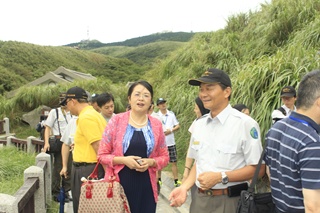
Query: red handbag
(102, 195)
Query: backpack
(281, 109)
(39, 127)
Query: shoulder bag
(54, 142)
(251, 202)
(100, 196)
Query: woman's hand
(138, 163)
(131, 162)
(145, 163)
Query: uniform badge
(254, 133)
(196, 142)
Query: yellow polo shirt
(90, 127)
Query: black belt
(78, 164)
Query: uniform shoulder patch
(254, 133)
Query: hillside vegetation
(22, 62)
(261, 50)
(143, 55)
(135, 42)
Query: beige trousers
(213, 204)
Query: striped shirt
(293, 157)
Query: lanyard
(299, 120)
(164, 122)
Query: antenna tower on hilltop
(88, 37)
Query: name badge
(196, 143)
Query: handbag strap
(256, 172)
(94, 173)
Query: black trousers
(56, 160)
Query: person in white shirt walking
(170, 125)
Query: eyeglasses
(143, 96)
(67, 101)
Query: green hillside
(134, 42)
(21, 63)
(143, 55)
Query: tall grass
(12, 164)
(261, 51)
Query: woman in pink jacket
(133, 146)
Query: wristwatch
(225, 178)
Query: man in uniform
(90, 126)
(227, 147)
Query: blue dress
(137, 185)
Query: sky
(60, 22)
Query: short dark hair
(82, 100)
(104, 98)
(223, 87)
(240, 107)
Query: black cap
(161, 100)
(288, 91)
(212, 76)
(76, 93)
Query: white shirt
(191, 154)
(68, 135)
(227, 142)
(278, 114)
(157, 116)
(63, 121)
(169, 120)
(107, 119)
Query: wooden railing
(35, 193)
(3, 142)
(30, 145)
(19, 143)
(37, 144)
